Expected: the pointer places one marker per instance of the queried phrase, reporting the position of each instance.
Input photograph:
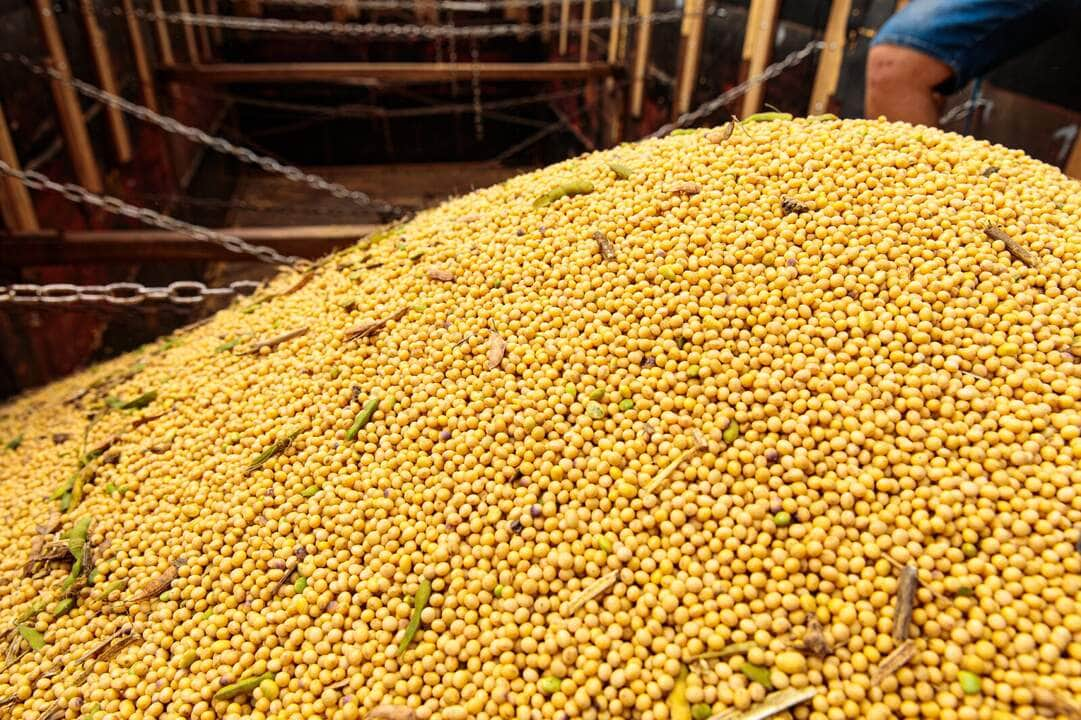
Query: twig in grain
(274, 341)
(906, 594)
(369, 328)
(894, 661)
(592, 591)
(1015, 248)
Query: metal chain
(478, 110)
(184, 292)
(79, 194)
(196, 135)
(772, 71)
(390, 30)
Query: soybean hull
(702, 449)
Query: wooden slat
(564, 25)
(203, 31)
(103, 66)
(613, 31)
(161, 32)
(189, 33)
(753, 11)
(391, 72)
(694, 20)
(70, 114)
(641, 56)
(15, 201)
(215, 32)
(587, 18)
(764, 29)
(546, 21)
(829, 63)
(52, 247)
(138, 51)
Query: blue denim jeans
(975, 36)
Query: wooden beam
(161, 31)
(215, 32)
(70, 114)
(57, 247)
(138, 51)
(694, 21)
(753, 12)
(15, 201)
(189, 33)
(564, 26)
(587, 18)
(344, 72)
(764, 29)
(641, 56)
(829, 64)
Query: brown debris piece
(906, 594)
(275, 341)
(391, 712)
(1015, 248)
(139, 422)
(594, 590)
(61, 438)
(686, 188)
(721, 134)
(305, 278)
(608, 251)
(369, 328)
(440, 275)
(497, 347)
(1056, 703)
(894, 661)
(155, 587)
(791, 205)
(814, 641)
(111, 646)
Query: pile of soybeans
(775, 419)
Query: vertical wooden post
(15, 202)
(99, 53)
(189, 33)
(72, 123)
(161, 30)
(203, 31)
(138, 51)
(829, 64)
(587, 18)
(564, 25)
(764, 29)
(546, 21)
(215, 32)
(753, 12)
(641, 56)
(613, 32)
(694, 21)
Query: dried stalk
(592, 591)
(894, 661)
(1015, 248)
(497, 347)
(608, 251)
(906, 594)
(670, 468)
(440, 275)
(371, 327)
(274, 341)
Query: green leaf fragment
(309, 491)
(15, 442)
(363, 418)
(424, 593)
(32, 637)
(767, 117)
(758, 674)
(626, 404)
(597, 394)
(300, 585)
(137, 403)
(569, 189)
(113, 489)
(64, 607)
(621, 171)
(731, 432)
(242, 687)
(701, 711)
(227, 346)
(275, 448)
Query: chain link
(183, 292)
(116, 206)
(390, 30)
(772, 71)
(196, 135)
